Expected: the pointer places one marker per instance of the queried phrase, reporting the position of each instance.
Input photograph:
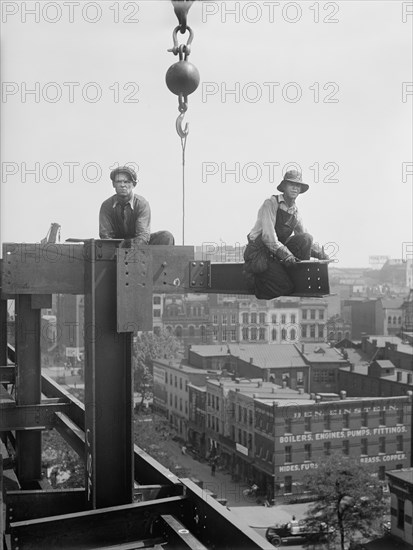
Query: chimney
(300, 391)
(399, 376)
(343, 394)
(312, 395)
(302, 348)
(351, 367)
(409, 378)
(317, 398)
(251, 360)
(284, 384)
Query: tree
(348, 499)
(150, 346)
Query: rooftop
(405, 474)
(260, 355)
(322, 353)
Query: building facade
(401, 491)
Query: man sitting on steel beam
(277, 241)
(126, 215)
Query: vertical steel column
(108, 384)
(3, 332)
(28, 387)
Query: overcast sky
(323, 85)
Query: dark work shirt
(130, 222)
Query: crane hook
(182, 132)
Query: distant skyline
(325, 86)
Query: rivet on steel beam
(193, 283)
(194, 264)
(164, 264)
(201, 264)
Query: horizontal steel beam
(94, 528)
(310, 278)
(29, 505)
(21, 417)
(177, 535)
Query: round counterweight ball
(182, 78)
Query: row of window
(345, 448)
(173, 402)
(173, 381)
(311, 314)
(396, 320)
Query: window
(215, 319)
(321, 331)
(400, 416)
(233, 334)
(399, 440)
(312, 331)
(157, 300)
(346, 447)
(250, 417)
(327, 422)
(239, 435)
(307, 451)
(382, 418)
(365, 418)
(215, 333)
(283, 319)
(180, 403)
(262, 318)
(293, 318)
(288, 484)
(245, 318)
(186, 385)
(245, 334)
(304, 314)
(180, 383)
(156, 312)
(244, 418)
(176, 381)
(262, 333)
(346, 420)
(364, 448)
(394, 320)
(300, 378)
(233, 319)
(304, 331)
(176, 401)
(178, 331)
(253, 318)
(312, 313)
(389, 320)
(382, 444)
(224, 319)
(283, 334)
(170, 379)
(293, 334)
(327, 448)
(321, 314)
(253, 333)
(239, 413)
(288, 454)
(249, 441)
(288, 425)
(170, 399)
(273, 319)
(273, 334)
(307, 423)
(191, 331)
(382, 473)
(224, 334)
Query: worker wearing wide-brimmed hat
(126, 215)
(277, 240)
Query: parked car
(296, 532)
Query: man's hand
(126, 243)
(290, 260)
